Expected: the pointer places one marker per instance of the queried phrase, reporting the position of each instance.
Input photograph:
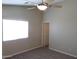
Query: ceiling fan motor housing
(46, 4)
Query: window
(14, 29)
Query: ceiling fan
(42, 6)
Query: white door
(45, 34)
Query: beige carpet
(41, 53)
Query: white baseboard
(20, 52)
(63, 52)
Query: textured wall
(34, 17)
(63, 27)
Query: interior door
(45, 34)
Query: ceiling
(22, 2)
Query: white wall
(34, 17)
(63, 27)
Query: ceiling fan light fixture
(42, 7)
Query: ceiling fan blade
(31, 8)
(56, 6)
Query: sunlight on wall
(13, 29)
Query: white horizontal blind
(13, 29)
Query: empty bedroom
(39, 29)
